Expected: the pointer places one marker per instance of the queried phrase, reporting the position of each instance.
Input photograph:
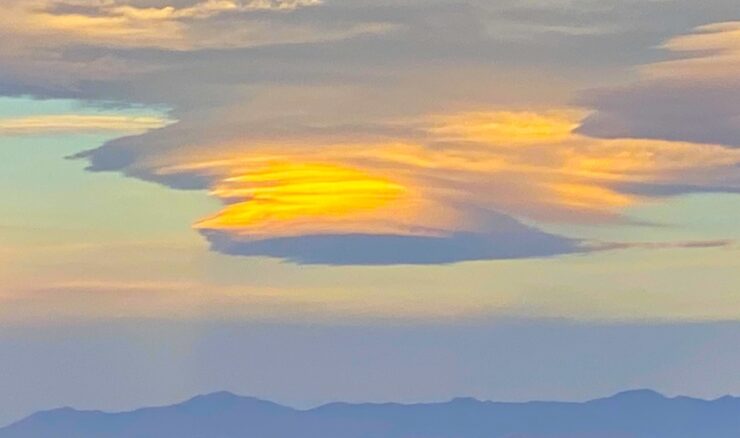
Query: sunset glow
(283, 198)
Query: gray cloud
(680, 111)
(512, 240)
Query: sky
(414, 200)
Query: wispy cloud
(77, 124)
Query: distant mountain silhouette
(633, 414)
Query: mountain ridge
(634, 413)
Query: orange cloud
(47, 24)
(293, 198)
(507, 127)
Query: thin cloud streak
(78, 124)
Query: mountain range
(632, 414)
